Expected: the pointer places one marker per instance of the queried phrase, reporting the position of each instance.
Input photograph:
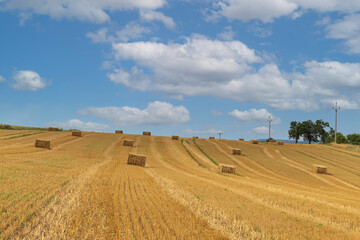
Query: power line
(269, 120)
(336, 108)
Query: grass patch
(204, 153)
(24, 135)
(182, 143)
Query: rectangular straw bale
(119, 132)
(236, 151)
(241, 139)
(42, 144)
(272, 140)
(254, 141)
(175, 137)
(53, 129)
(280, 143)
(128, 142)
(136, 159)
(76, 134)
(211, 137)
(227, 168)
(319, 168)
(196, 137)
(146, 133)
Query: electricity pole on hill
(269, 120)
(336, 108)
(219, 134)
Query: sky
(189, 68)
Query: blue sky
(191, 68)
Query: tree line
(319, 131)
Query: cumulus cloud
(156, 113)
(347, 29)
(77, 124)
(260, 130)
(151, 15)
(229, 69)
(267, 11)
(28, 81)
(227, 35)
(84, 10)
(254, 115)
(2, 79)
(131, 31)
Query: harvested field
(84, 189)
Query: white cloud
(261, 130)
(208, 130)
(263, 10)
(229, 69)
(130, 32)
(28, 81)
(216, 113)
(347, 29)
(2, 79)
(83, 10)
(150, 15)
(77, 124)
(343, 103)
(227, 35)
(156, 113)
(254, 115)
(267, 11)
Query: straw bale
(174, 137)
(236, 151)
(280, 143)
(254, 141)
(128, 142)
(76, 134)
(119, 132)
(211, 137)
(272, 140)
(53, 129)
(241, 139)
(136, 159)
(196, 137)
(227, 168)
(146, 133)
(42, 143)
(319, 168)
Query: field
(82, 188)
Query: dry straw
(272, 140)
(236, 151)
(174, 137)
(76, 134)
(128, 142)
(254, 141)
(319, 168)
(211, 137)
(53, 129)
(119, 132)
(241, 139)
(136, 159)
(42, 144)
(227, 168)
(196, 137)
(280, 143)
(146, 133)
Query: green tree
(319, 130)
(309, 131)
(295, 131)
(353, 138)
(340, 138)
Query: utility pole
(269, 120)
(336, 108)
(219, 134)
